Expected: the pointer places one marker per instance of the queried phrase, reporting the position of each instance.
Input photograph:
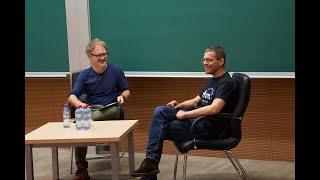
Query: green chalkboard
(171, 35)
(46, 46)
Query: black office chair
(101, 151)
(232, 134)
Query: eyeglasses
(208, 60)
(103, 55)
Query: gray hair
(94, 43)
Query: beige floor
(200, 168)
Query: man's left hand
(120, 99)
(181, 114)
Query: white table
(54, 135)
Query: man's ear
(222, 61)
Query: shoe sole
(144, 174)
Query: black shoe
(147, 167)
(81, 174)
(149, 177)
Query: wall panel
(268, 125)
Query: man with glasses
(173, 120)
(103, 83)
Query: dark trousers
(80, 153)
(166, 126)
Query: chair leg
(175, 167)
(236, 164)
(184, 175)
(243, 172)
(71, 164)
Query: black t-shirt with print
(222, 87)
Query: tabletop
(101, 131)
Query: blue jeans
(165, 126)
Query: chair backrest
(243, 88)
(74, 76)
(82, 98)
(242, 93)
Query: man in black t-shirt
(173, 121)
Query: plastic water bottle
(83, 118)
(77, 115)
(86, 119)
(66, 116)
(90, 118)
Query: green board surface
(168, 36)
(171, 35)
(46, 44)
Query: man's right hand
(82, 105)
(173, 103)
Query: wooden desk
(54, 135)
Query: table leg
(131, 152)
(114, 160)
(55, 164)
(29, 161)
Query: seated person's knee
(162, 108)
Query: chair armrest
(226, 116)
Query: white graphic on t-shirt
(207, 95)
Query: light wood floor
(200, 168)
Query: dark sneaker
(147, 167)
(149, 177)
(81, 174)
